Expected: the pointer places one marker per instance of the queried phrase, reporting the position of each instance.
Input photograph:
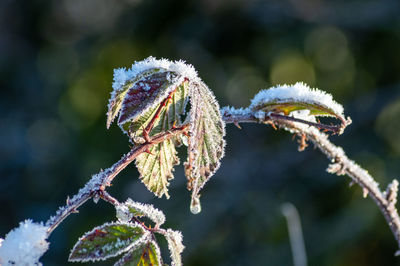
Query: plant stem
(95, 187)
(341, 164)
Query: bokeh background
(56, 65)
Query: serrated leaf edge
(144, 238)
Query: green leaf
(287, 99)
(129, 209)
(107, 240)
(156, 166)
(118, 95)
(146, 93)
(206, 142)
(144, 255)
(175, 246)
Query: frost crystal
(122, 75)
(298, 92)
(24, 245)
(175, 246)
(139, 209)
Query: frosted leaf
(126, 211)
(144, 86)
(206, 141)
(121, 87)
(175, 246)
(147, 254)
(287, 99)
(156, 165)
(108, 240)
(147, 93)
(24, 245)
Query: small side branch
(96, 186)
(341, 164)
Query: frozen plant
(162, 105)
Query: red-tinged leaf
(107, 240)
(144, 255)
(146, 93)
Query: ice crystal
(131, 208)
(122, 75)
(297, 93)
(24, 245)
(175, 246)
(206, 141)
(108, 240)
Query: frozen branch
(96, 186)
(340, 165)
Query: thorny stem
(95, 187)
(341, 164)
(149, 127)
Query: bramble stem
(385, 200)
(96, 186)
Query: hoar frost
(299, 92)
(122, 75)
(24, 245)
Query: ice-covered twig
(340, 165)
(96, 186)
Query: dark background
(56, 65)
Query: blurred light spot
(92, 15)
(291, 67)
(84, 99)
(243, 85)
(56, 64)
(84, 102)
(388, 125)
(328, 48)
(118, 54)
(48, 140)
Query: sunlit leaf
(146, 93)
(206, 141)
(156, 165)
(145, 255)
(129, 209)
(175, 246)
(119, 93)
(289, 98)
(107, 240)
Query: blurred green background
(56, 65)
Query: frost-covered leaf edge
(147, 210)
(122, 75)
(139, 241)
(301, 94)
(175, 246)
(156, 167)
(123, 260)
(197, 92)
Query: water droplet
(96, 198)
(195, 206)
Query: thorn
(397, 253)
(237, 125)
(67, 200)
(149, 152)
(174, 124)
(351, 183)
(365, 192)
(74, 211)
